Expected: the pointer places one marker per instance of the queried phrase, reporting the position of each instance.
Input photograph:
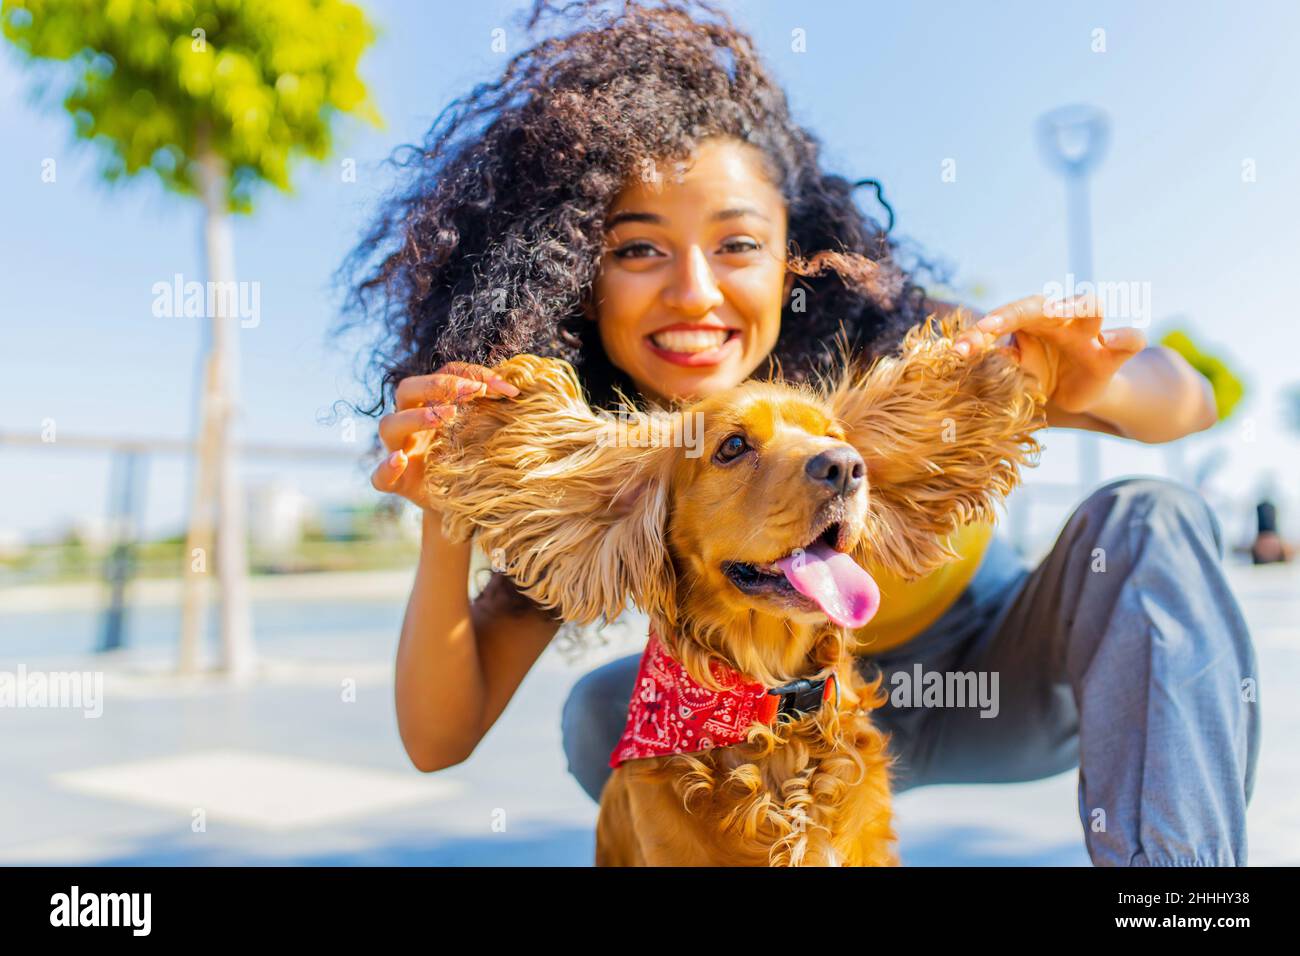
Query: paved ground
(292, 768)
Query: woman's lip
(694, 359)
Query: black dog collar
(805, 696)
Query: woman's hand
(424, 404)
(1060, 343)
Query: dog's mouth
(821, 574)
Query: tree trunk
(198, 560)
(217, 466)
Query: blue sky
(1192, 90)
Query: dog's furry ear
(943, 435)
(571, 504)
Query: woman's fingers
(1085, 305)
(972, 341)
(402, 432)
(1124, 341)
(1081, 315)
(389, 472)
(398, 428)
(453, 383)
(424, 404)
(1009, 318)
(495, 385)
(1034, 314)
(436, 389)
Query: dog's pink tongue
(847, 594)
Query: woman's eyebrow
(629, 216)
(731, 212)
(735, 212)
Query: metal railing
(128, 480)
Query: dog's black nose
(840, 469)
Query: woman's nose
(693, 289)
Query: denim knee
(593, 719)
(1161, 643)
(1146, 503)
(1147, 523)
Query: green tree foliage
(157, 82)
(1228, 388)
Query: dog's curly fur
(806, 792)
(587, 510)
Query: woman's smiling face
(691, 285)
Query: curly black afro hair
(492, 247)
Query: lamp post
(1073, 140)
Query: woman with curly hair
(633, 196)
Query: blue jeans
(1123, 653)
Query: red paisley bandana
(670, 713)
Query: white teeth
(697, 340)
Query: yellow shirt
(908, 607)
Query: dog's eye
(730, 449)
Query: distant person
(546, 213)
(1268, 547)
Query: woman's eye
(741, 245)
(731, 449)
(636, 250)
